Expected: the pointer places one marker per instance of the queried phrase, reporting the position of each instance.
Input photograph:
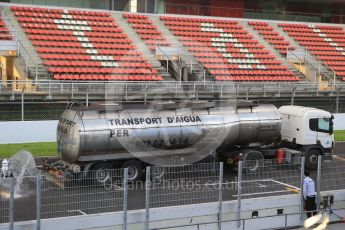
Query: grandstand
(325, 42)
(227, 51)
(4, 32)
(74, 44)
(63, 53)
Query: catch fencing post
(319, 162)
(38, 201)
(220, 211)
(12, 203)
(239, 190)
(1, 204)
(147, 198)
(301, 184)
(125, 198)
(22, 105)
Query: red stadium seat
(75, 44)
(324, 41)
(218, 42)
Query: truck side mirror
(331, 125)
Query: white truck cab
(309, 129)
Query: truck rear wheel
(252, 161)
(135, 170)
(157, 173)
(311, 159)
(100, 172)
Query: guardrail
(94, 87)
(173, 89)
(46, 100)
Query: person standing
(309, 194)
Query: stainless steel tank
(90, 134)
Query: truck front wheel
(311, 159)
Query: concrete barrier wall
(339, 121)
(202, 214)
(172, 216)
(27, 131)
(44, 131)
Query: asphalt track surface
(57, 202)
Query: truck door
(323, 127)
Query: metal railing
(9, 25)
(313, 69)
(170, 60)
(47, 100)
(318, 68)
(31, 67)
(198, 71)
(295, 56)
(101, 87)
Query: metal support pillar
(147, 198)
(301, 184)
(38, 201)
(22, 104)
(125, 198)
(220, 196)
(239, 190)
(11, 214)
(318, 182)
(337, 102)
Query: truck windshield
(322, 125)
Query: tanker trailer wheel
(135, 170)
(100, 172)
(253, 161)
(311, 159)
(157, 173)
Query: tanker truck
(102, 137)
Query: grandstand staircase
(274, 51)
(313, 65)
(30, 55)
(141, 46)
(187, 60)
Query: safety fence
(332, 174)
(96, 192)
(271, 177)
(6, 199)
(53, 194)
(28, 109)
(183, 185)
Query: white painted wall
(339, 121)
(27, 131)
(187, 214)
